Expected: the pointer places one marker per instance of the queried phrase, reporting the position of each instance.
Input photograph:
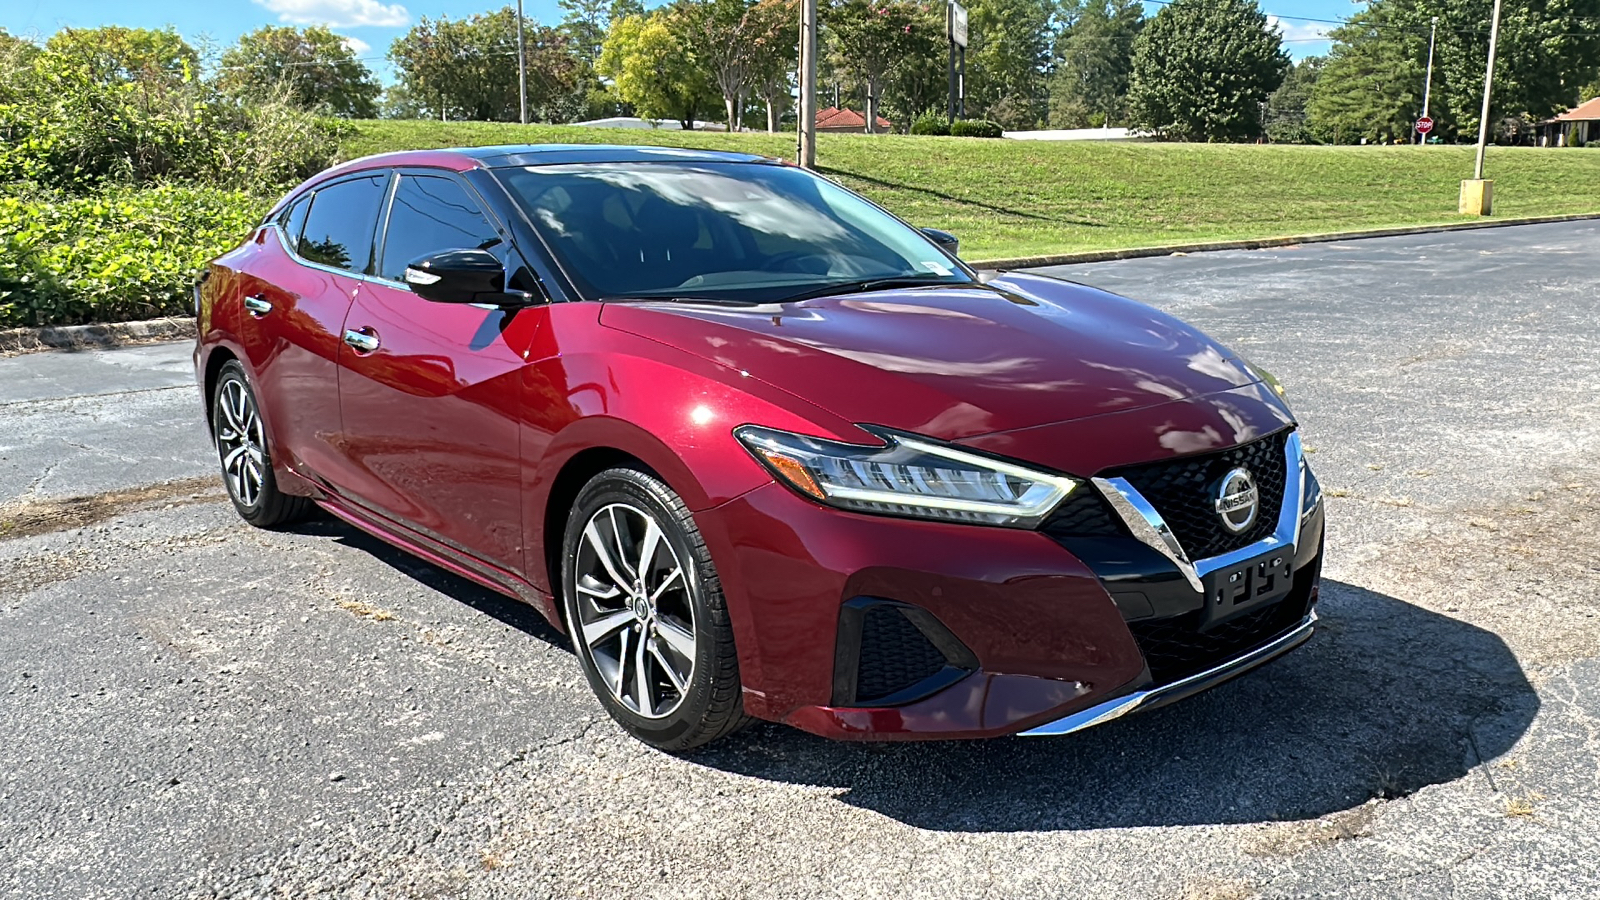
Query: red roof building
(837, 120)
(1579, 125)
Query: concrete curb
(91, 337)
(1089, 256)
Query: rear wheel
(646, 612)
(241, 441)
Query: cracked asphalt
(193, 708)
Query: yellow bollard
(1477, 196)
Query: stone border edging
(91, 337)
(1088, 256)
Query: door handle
(257, 305)
(363, 340)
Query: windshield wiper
(874, 284)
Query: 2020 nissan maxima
(759, 447)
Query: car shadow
(1386, 698)
(498, 606)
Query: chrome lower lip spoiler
(1121, 706)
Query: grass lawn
(1024, 198)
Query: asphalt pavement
(193, 708)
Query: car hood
(954, 363)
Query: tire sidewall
(648, 494)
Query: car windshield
(728, 232)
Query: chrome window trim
(1121, 706)
(1150, 528)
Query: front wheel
(646, 612)
(241, 441)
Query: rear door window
(431, 214)
(339, 229)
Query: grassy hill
(1021, 198)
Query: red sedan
(761, 448)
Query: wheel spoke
(235, 457)
(677, 637)
(647, 548)
(618, 687)
(641, 679)
(662, 587)
(616, 538)
(598, 630)
(586, 584)
(679, 683)
(592, 535)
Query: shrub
(117, 254)
(930, 122)
(976, 128)
(68, 127)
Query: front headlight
(908, 477)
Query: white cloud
(355, 45)
(1294, 31)
(339, 13)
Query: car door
(431, 410)
(297, 297)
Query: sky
(370, 25)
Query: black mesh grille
(1083, 514)
(1182, 490)
(894, 654)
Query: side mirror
(463, 276)
(947, 242)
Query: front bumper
(1034, 632)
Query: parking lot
(190, 707)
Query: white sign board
(958, 25)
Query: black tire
(251, 485)
(709, 705)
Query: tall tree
(469, 68)
(1008, 52)
(315, 66)
(1202, 69)
(1287, 119)
(870, 39)
(1094, 52)
(720, 34)
(776, 34)
(117, 54)
(651, 68)
(1371, 85)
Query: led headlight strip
(908, 476)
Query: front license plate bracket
(1248, 585)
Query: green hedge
(975, 128)
(117, 254)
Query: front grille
(895, 654)
(1176, 648)
(1182, 490)
(1083, 514)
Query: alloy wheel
(635, 611)
(241, 441)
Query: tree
(1287, 119)
(316, 66)
(720, 36)
(1548, 49)
(776, 33)
(1094, 52)
(870, 39)
(114, 54)
(651, 68)
(1008, 52)
(1371, 85)
(469, 68)
(1203, 68)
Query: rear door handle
(364, 340)
(257, 305)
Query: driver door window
(430, 215)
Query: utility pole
(806, 150)
(1477, 195)
(522, 68)
(1427, 84)
(1488, 83)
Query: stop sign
(1424, 125)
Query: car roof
(461, 159)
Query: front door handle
(257, 305)
(365, 341)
